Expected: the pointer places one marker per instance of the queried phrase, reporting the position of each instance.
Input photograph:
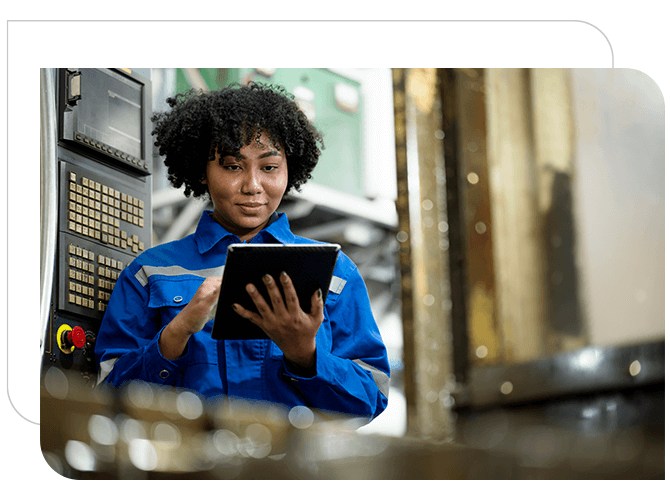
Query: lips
(251, 208)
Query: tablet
(310, 267)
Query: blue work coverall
(352, 369)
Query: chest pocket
(168, 296)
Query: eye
(269, 168)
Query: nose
(251, 183)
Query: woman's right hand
(200, 310)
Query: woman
(244, 147)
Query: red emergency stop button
(70, 338)
(77, 337)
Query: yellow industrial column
(530, 142)
(422, 236)
(515, 219)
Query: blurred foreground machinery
(146, 432)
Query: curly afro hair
(201, 124)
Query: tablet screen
(310, 267)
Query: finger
(290, 295)
(250, 315)
(258, 300)
(202, 308)
(275, 295)
(209, 290)
(317, 306)
(212, 288)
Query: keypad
(96, 211)
(85, 270)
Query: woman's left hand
(284, 321)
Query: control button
(164, 374)
(77, 337)
(69, 338)
(178, 299)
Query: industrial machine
(96, 202)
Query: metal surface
(475, 340)
(586, 370)
(514, 215)
(618, 434)
(405, 249)
(48, 193)
(554, 149)
(423, 253)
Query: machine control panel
(104, 204)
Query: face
(247, 190)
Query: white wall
(620, 204)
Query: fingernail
(267, 279)
(320, 294)
(235, 307)
(251, 288)
(284, 277)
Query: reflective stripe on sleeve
(336, 285)
(382, 381)
(105, 369)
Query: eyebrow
(270, 153)
(264, 155)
